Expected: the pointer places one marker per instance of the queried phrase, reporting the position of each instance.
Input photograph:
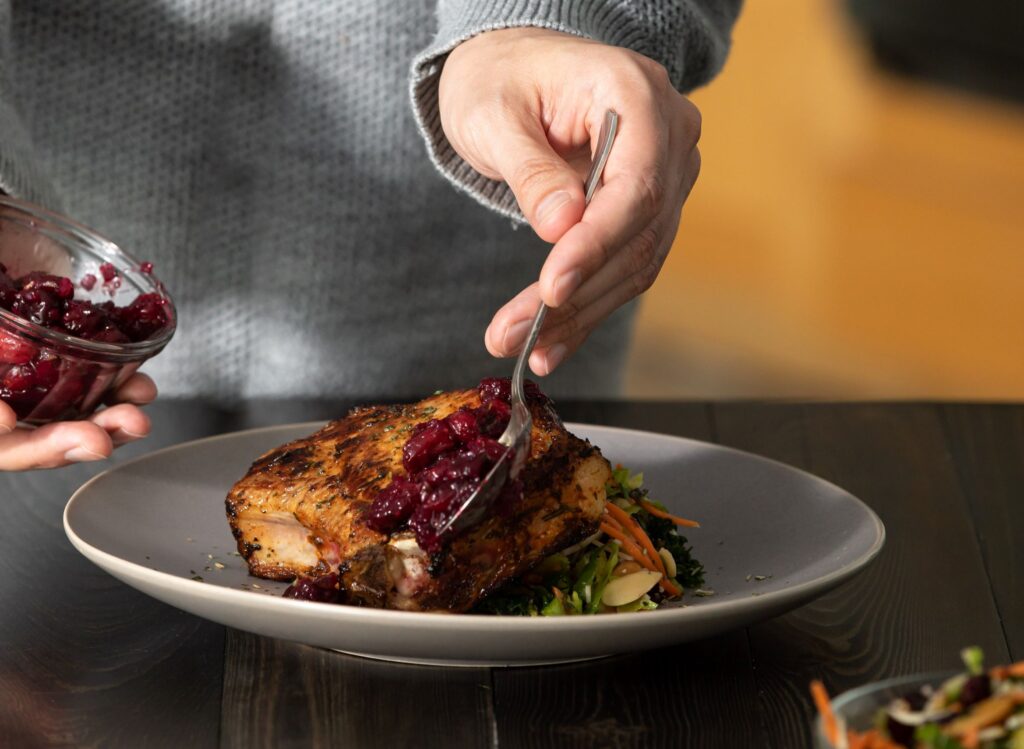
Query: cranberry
(494, 416)
(143, 317)
(495, 388)
(88, 282)
(13, 350)
(325, 589)
(899, 732)
(108, 271)
(975, 689)
(446, 460)
(463, 424)
(427, 442)
(393, 505)
(146, 267)
(47, 369)
(18, 378)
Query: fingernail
(82, 455)
(555, 355)
(565, 285)
(122, 436)
(550, 204)
(4, 429)
(515, 335)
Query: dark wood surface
(87, 661)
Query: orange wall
(851, 235)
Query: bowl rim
(130, 351)
(842, 700)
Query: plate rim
(472, 622)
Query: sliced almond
(626, 568)
(623, 590)
(669, 560)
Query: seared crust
(299, 509)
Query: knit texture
(263, 154)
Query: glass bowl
(47, 375)
(858, 707)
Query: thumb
(548, 189)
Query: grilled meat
(301, 510)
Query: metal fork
(517, 434)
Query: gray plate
(158, 522)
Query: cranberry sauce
(324, 589)
(445, 461)
(39, 382)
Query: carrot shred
(659, 513)
(970, 738)
(634, 529)
(824, 705)
(634, 551)
(1012, 669)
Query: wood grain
(282, 694)
(988, 448)
(925, 596)
(86, 660)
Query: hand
(525, 106)
(64, 442)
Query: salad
(976, 709)
(635, 562)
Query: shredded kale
(689, 572)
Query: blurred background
(858, 227)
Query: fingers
(511, 324)
(62, 443)
(54, 445)
(124, 423)
(8, 419)
(547, 188)
(635, 191)
(138, 389)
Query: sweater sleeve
(20, 175)
(689, 37)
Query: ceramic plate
(772, 538)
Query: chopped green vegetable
(554, 608)
(602, 583)
(974, 660)
(582, 576)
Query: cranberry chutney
(445, 460)
(78, 315)
(36, 380)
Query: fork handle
(609, 127)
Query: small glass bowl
(71, 375)
(858, 707)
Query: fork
(516, 436)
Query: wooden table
(87, 661)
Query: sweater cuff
(455, 27)
(689, 38)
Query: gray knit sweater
(263, 154)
